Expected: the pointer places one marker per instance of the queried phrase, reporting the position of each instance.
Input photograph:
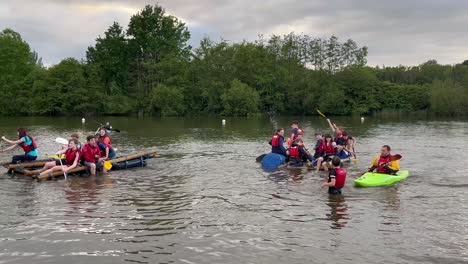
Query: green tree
(110, 57)
(240, 100)
(153, 37)
(16, 62)
(449, 97)
(168, 101)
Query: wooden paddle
(320, 113)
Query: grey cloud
(396, 32)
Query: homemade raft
(121, 163)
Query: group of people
(329, 151)
(92, 154)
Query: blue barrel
(273, 160)
(344, 155)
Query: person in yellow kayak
(71, 160)
(382, 163)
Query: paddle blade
(57, 157)
(61, 141)
(260, 158)
(108, 165)
(320, 113)
(395, 157)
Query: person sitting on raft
(277, 143)
(298, 153)
(71, 160)
(345, 143)
(26, 142)
(319, 147)
(329, 150)
(105, 144)
(296, 133)
(383, 164)
(343, 140)
(336, 177)
(77, 137)
(92, 156)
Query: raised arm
(332, 126)
(19, 141)
(9, 148)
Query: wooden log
(145, 155)
(39, 163)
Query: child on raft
(71, 160)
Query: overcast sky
(406, 32)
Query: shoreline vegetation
(149, 69)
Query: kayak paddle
(62, 141)
(392, 158)
(107, 165)
(260, 158)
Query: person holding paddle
(71, 160)
(26, 142)
(385, 163)
(345, 142)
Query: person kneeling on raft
(72, 159)
(383, 162)
(336, 177)
(92, 156)
(26, 142)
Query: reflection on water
(339, 214)
(204, 199)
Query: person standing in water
(26, 142)
(336, 177)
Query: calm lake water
(204, 199)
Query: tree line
(149, 68)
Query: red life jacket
(275, 141)
(102, 139)
(70, 156)
(340, 178)
(321, 149)
(381, 161)
(329, 149)
(29, 148)
(294, 153)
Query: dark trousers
(22, 158)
